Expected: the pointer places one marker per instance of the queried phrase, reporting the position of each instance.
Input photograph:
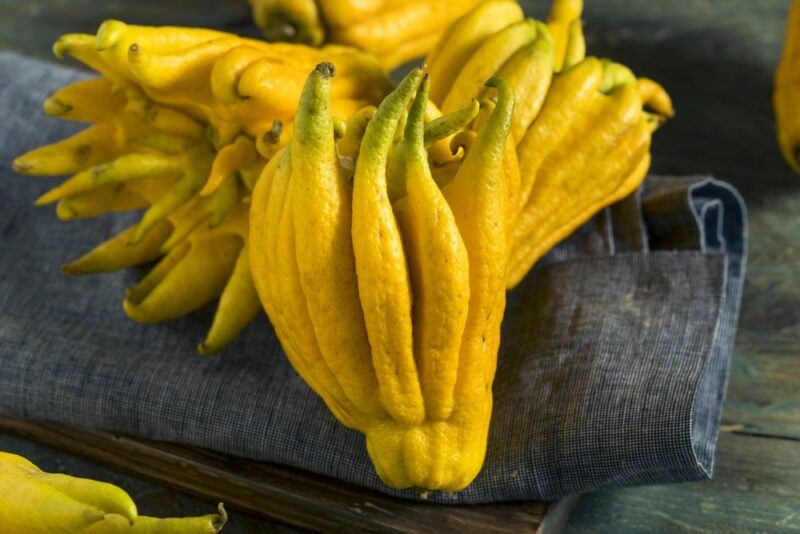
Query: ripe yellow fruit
(35, 502)
(337, 268)
(183, 122)
(786, 99)
(582, 126)
(395, 31)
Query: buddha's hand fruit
(588, 147)
(388, 294)
(396, 31)
(183, 122)
(787, 91)
(35, 502)
(582, 127)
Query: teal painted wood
(764, 395)
(756, 489)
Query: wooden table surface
(717, 58)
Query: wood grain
(287, 495)
(756, 488)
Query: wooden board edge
(285, 494)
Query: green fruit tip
(495, 81)
(222, 518)
(273, 135)
(327, 69)
(20, 166)
(60, 48)
(55, 107)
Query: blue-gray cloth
(612, 371)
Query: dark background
(717, 59)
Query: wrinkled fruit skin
(582, 126)
(381, 247)
(413, 235)
(35, 502)
(183, 121)
(387, 289)
(786, 99)
(395, 31)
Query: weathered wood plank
(764, 393)
(756, 488)
(280, 493)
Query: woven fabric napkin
(613, 366)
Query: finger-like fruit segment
(115, 38)
(563, 13)
(380, 261)
(398, 33)
(194, 280)
(92, 100)
(30, 506)
(92, 146)
(186, 70)
(529, 72)
(321, 201)
(467, 35)
(117, 253)
(238, 306)
(486, 61)
(448, 125)
(229, 160)
(106, 199)
(478, 196)
(290, 316)
(101, 495)
(438, 269)
(580, 178)
(116, 524)
(575, 51)
(568, 94)
(122, 169)
(654, 97)
(296, 21)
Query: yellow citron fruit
(786, 99)
(582, 126)
(35, 502)
(395, 31)
(389, 304)
(183, 121)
